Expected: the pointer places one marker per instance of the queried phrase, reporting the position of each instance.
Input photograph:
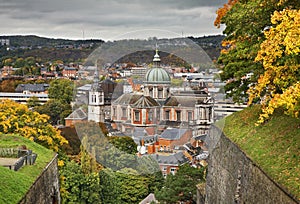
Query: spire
(96, 84)
(156, 56)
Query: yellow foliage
(18, 119)
(60, 163)
(279, 54)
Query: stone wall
(46, 187)
(234, 178)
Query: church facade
(155, 107)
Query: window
(100, 99)
(158, 114)
(178, 115)
(160, 94)
(167, 115)
(93, 98)
(124, 112)
(150, 115)
(136, 115)
(173, 170)
(190, 116)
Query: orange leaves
(221, 12)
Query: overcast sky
(109, 19)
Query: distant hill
(210, 44)
(33, 41)
(49, 49)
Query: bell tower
(96, 101)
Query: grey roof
(32, 87)
(127, 99)
(145, 102)
(184, 101)
(85, 87)
(69, 68)
(157, 76)
(138, 132)
(173, 133)
(200, 137)
(136, 100)
(147, 139)
(168, 123)
(176, 159)
(77, 114)
(148, 199)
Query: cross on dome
(156, 56)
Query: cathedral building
(154, 106)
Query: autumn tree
(245, 22)
(279, 54)
(18, 119)
(221, 12)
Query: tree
(61, 90)
(245, 22)
(56, 109)
(18, 119)
(125, 144)
(33, 102)
(181, 186)
(110, 190)
(124, 186)
(77, 187)
(279, 85)
(9, 85)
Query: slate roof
(176, 159)
(200, 137)
(173, 133)
(77, 114)
(138, 132)
(136, 100)
(32, 87)
(145, 102)
(183, 101)
(70, 68)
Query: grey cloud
(114, 15)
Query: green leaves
(245, 23)
(62, 90)
(181, 186)
(77, 187)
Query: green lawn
(274, 146)
(14, 184)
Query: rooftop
(173, 133)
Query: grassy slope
(14, 184)
(274, 146)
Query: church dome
(158, 76)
